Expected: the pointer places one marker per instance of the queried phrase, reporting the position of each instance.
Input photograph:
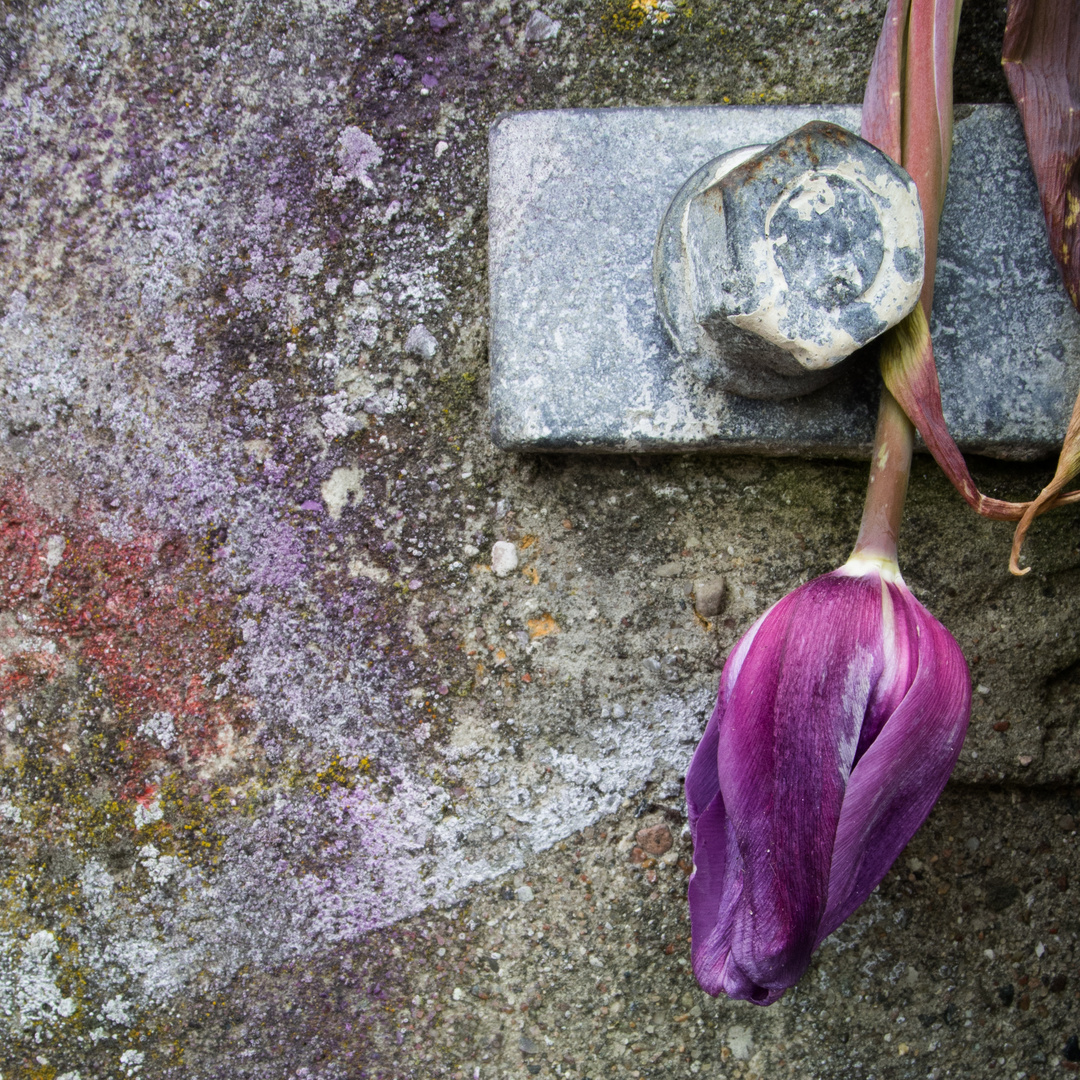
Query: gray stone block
(579, 356)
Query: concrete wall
(292, 784)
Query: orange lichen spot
(542, 626)
(526, 542)
(531, 575)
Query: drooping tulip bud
(840, 716)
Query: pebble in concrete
(421, 342)
(709, 596)
(655, 839)
(541, 27)
(504, 558)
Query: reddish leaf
(909, 372)
(882, 102)
(1042, 64)
(907, 113)
(1067, 467)
(907, 108)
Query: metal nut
(774, 264)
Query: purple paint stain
(279, 561)
(438, 22)
(274, 472)
(302, 671)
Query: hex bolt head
(774, 264)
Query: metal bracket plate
(580, 360)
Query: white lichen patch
(117, 1010)
(308, 263)
(357, 152)
(97, 886)
(161, 727)
(39, 382)
(132, 1060)
(37, 997)
(147, 813)
(159, 868)
(54, 550)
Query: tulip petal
(787, 742)
(716, 882)
(708, 889)
(702, 781)
(899, 662)
(710, 895)
(896, 782)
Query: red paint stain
(142, 616)
(146, 797)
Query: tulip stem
(890, 465)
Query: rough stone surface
(271, 779)
(579, 355)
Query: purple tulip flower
(840, 716)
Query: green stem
(890, 466)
